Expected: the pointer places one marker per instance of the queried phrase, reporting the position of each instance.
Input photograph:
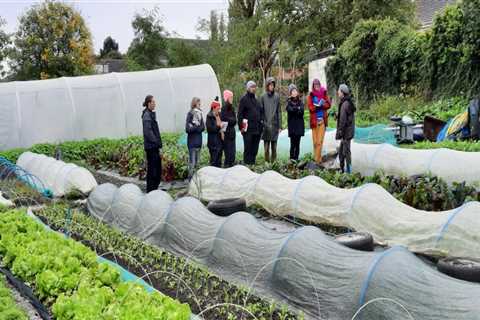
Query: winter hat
(251, 84)
(344, 88)
(215, 104)
(269, 81)
(227, 94)
(292, 87)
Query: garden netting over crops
(304, 268)
(450, 165)
(99, 106)
(367, 208)
(374, 134)
(57, 176)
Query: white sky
(114, 18)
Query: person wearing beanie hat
(228, 115)
(345, 127)
(250, 120)
(296, 125)
(318, 104)
(270, 102)
(215, 134)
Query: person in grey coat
(345, 127)
(270, 102)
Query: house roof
(426, 10)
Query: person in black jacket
(250, 120)
(194, 127)
(152, 143)
(345, 127)
(296, 125)
(215, 136)
(228, 115)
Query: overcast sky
(114, 17)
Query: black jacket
(346, 119)
(251, 110)
(151, 134)
(194, 131)
(295, 110)
(228, 115)
(214, 136)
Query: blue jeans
(193, 160)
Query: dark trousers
(229, 150)
(154, 169)
(250, 144)
(345, 154)
(215, 157)
(270, 146)
(295, 147)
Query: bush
(384, 57)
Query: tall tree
(148, 49)
(313, 25)
(110, 49)
(213, 26)
(52, 41)
(181, 53)
(222, 28)
(4, 43)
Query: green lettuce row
(66, 276)
(8, 308)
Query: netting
(99, 106)
(304, 268)
(57, 176)
(375, 134)
(367, 208)
(450, 165)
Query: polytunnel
(305, 268)
(99, 106)
(367, 208)
(57, 176)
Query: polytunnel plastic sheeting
(304, 268)
(99, 106)
(450, 165)
(57, 176)
(367, 208)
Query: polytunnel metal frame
(293, 267)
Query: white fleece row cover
(305, 269)
(99, 106)
(450, 165)
(367, 208)
(58, 176)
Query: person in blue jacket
(194, 127)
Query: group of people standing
(257, 119)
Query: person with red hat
(228, 115)
(215, 134)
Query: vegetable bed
(9, 310)
(66, 276)
(207, 294)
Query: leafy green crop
(67, 276)
(8, 308)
